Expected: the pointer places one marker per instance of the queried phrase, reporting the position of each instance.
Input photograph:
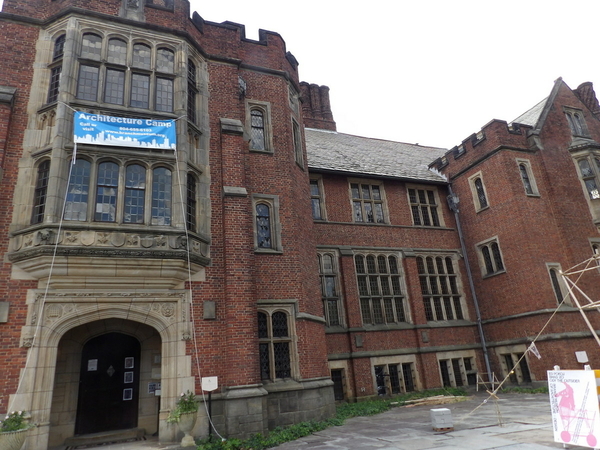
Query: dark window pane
(263, 226)
(280, 325)
(257, 130)
(281, 352)
(191, 203)
(497, 257)
(59, 47)
(53, 89)
(263, 328)
(40, 193)
(263, 350)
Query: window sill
(268, 251)
(493, 274)
(482, 209)
(265, 152)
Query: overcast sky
(428, 72)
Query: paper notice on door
(92, 365)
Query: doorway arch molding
(50, 316)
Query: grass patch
(344, 411)
(525, 390)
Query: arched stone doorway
(61, 323)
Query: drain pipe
(453, 201)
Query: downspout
(453, 204)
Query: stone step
(105, 437)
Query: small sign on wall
(92, 365)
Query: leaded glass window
(526, 181)
(367, 203)
(589, 177)
(191, 203)
(257, 130)
(165, 60)
(161, 196)
(440, 288)
(263, 226)
(491, 258)
(117, 52)
(142, 56)
(53, 89)
(164, 94)
(316, 199)
(135, 192)
(380, 289)
(41, 192)
(424, 207)
(140, 90)
(91, 46)
(59, 47)
(87, 85)
(329, 290)
(106, 192)
(78, 191)
(483, 203)
(274, 345)
(192, 91)
(114, 87)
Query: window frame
(478, 190)
(55, 67)
(593, 162)
(272, 202)
(559, 288)
(40, 191)
(337, 292)
(371, 292)
(491, 261)
(91, 209)
(418, 205)
(525, 165)
(432, 288)
(320, 197)
(401, 363)
(468, 377)
(140, 86)
(382, 201)
(271, 307)
(297, 143)
(515, 352)
(576, 122)
(265, 109)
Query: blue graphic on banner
(99, 129)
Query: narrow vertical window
(274, 346)
(56, 70)
(257, 130)
(91, 46)
(161, 196)
(192, 92)
(316, 199)
(329, 291)
(191, 203)
(106, 192)
(114, 86)
(491, 258)
(556, 285)
(525, 177)
(297, 143)
(164, 94)
(140, 90)
(141, 56)
(78, 191)
(263, 226)
(41, 192)
(165, 60)
(483, 203)
(135, 194)
(117, 52)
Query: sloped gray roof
(338, 152)
(532, 116)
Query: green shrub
(345, 411)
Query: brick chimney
(316, 108)
(585, 92)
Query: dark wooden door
(108, 384)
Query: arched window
(274, 345)
(91, 46)
(106, 192)
(161, 196)
(483, 203)
(257, 130)
(41, 192)
(141, 56)
(78, 191)
(135, 192)
(117, 51)
(56, 69)
(165, 60)
(263, 226)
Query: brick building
(158, 174)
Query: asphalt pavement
(514, 421)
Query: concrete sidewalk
(525, 418)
